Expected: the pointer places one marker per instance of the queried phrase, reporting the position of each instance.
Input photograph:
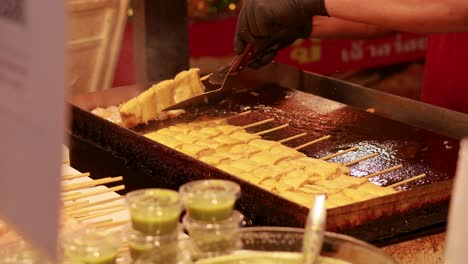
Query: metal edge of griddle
(415, 113)
(376, 219)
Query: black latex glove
(271, 25)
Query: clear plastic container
(91, 246)
(213, 239)
(174, 253)
(20, 252)
(209, 200)
(280, 245)
(154, 211)
(140, 244)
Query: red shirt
(446, 72)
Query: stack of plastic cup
(210, 219)
(155, 228)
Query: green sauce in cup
(266, 258)
(210, 212)
(209, 200)
(105, 259)
(154, 211)
(92, 247)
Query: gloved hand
(271, 25)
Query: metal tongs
(219, 78)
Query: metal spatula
(218, 79)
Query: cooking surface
(419, 151)
(105, 149)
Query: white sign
(457, 229)
(32, 84)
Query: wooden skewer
(361, 159)
(258, 123)
(271, 130)
(92, 224)
(382, 171)
(75, 204)
(96, 215)
(292, 138)
(111, 225)
(88, 205)
(312, 142)
(64, 195)
(75, 176)
(355, 186)
(238, 115)
(88, 194)
(91, 183)
(121, 251)
(83, 185)
(339, 153)
(86, 211)
(206, 77)
(407, 181)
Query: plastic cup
(140, 244)
(92, 247)
(154, 211)
(212, 239)
(209, 200)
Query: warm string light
(206, 9)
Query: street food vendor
(272, 25)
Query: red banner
(215, 39)
(328, 56)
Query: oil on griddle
(419, 151)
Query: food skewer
(206, 77)
(93, 193)
(92, 224)
(383, 171)
(86, 211)
(355, 186)
(111, 224)
(407, 181)
(271, 130)
(361, 159)
(84, 185)
(75, 204)
(258, 123)
(75, 176)
(87, 204)
(312, 142)
(292, 138)
(238, 115)
(339, 153)
(96, 215)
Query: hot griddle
(107, 149)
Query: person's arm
(329, 27)
(417, 16)
(272, 25)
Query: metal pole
(161, 39)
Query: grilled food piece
(110, 113)
(148, 105)
(268, 164)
